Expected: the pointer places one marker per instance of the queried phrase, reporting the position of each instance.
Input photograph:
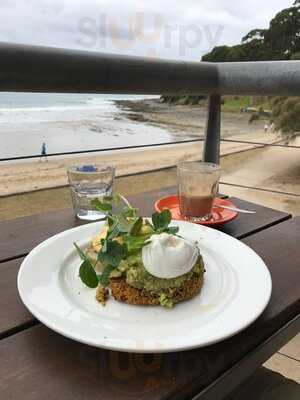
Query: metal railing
(44, 69)
(77, 152)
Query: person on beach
(272, 127)
(43, 152)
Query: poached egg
(168, 256)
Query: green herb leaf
(135, 243)
(88, 275)
(113, 254)
(104, 245)
(113, 232)
(124, 225)
(137, 226)
(110, 220)
(86, 271)
(161, 220)
(104, 277)
(129, 212)
(104, 206)
(172, 230)
(80, 252)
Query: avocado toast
(140, 261)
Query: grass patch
(236, 103)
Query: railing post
(211, 150)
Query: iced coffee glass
(197, 188)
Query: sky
(178, 29)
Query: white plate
(237, 288)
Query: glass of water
(89, 182)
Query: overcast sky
(164, 28)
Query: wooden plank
(248, 224)
(241, 371)
(21, 235)
(41, 361)
(13, 314)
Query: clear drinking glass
(197, 188)
(89, 182)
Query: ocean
(69, 122)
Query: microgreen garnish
(125, 225)
(104, 278)
(161, 220)
(80, 252)
(88, 275)
(127, 234)
(86, 271)
(112, 253)
(137, 226)
(104, 206)
(172, 230)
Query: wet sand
(183, 121)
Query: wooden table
(37, 363)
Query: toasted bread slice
(125, 293)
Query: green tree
(286, 114)
(218, 54)
(283, 36)
(281, 41)
(255, 34)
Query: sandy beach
(187, 121)
(182, 122)
(243, 164)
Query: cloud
(170, 28)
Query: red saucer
(219, 215)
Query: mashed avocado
(137, 276)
